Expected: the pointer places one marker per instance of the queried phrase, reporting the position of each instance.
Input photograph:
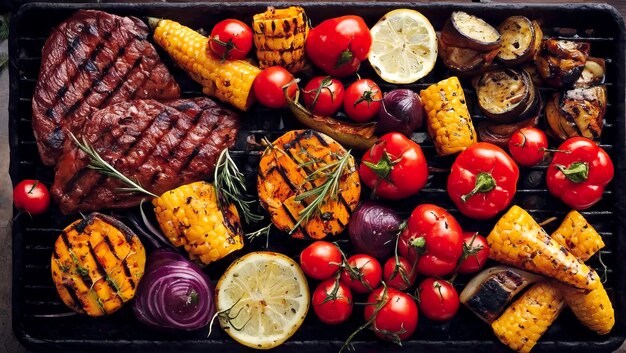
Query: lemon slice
(404, 47)
(262, 299)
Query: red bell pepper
(394, 167)
(579, 172)
(433, 240)
(483, 181)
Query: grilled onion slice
(503, 94)
(593, 73)
(500, 134)
(577, 112)
(467, 31)
(521, 40)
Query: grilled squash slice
(288, 168)
(97, 264)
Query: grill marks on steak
(90, 61)
(160, 145)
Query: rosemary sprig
(230, 186)
(329, 188)
(98, 164)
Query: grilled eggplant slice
(489, 292)
(503, 94)
(464, 61)
(97, 264)
(521, 40)
(577, 112)
(561, 62)
(467, 31)
(284, 174)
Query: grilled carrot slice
(290, 167)
(97, 264)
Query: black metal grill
(36, 304)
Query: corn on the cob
(519, 241)
(191, 217)
(97, 264)
(523, 323)
(592, 308)
(230, 80)
(279, 37)
(448, 121)
(578, 236)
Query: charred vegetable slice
(465, 61)
(97, 264)
(577, 112)
(561, 62)
(467, 31)
(503, 94)
(593, 73)
(521, 39)
(295, 171)
(500, 134)
(489, 292)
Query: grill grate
(35, 302)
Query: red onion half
(174, 294)
(402, 111)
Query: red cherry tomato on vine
(528, 146)
(31, 196)
(396, 313)
(268, 87)
(231, 39)
(320, 260)
(364, 273)
(362, 100)
(475, 253)
(323, 95)
(332, 302)
(439, 299)
(399, 274)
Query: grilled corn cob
(230, 81)
(279, 37)
(447, 118)
(519, 241)
(96, 265)
(523, 323)
(592, 308)
(578, 236)
(190, 216)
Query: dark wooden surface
(8, 343)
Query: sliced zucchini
(467, 31)
(518, 40)
(503, 94)
(577, 112)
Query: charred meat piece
(92, 60)
(561, 62)
(489, 292)
(577, 112)
(159, 146)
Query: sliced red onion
(174, 294)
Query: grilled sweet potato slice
(285, 172)
(97, 264)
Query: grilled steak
(92, 60)
(160, 146)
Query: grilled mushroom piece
(504, 94)
(489, 292)
(521, 40)
(577, 112)
(467, 31)
(561, 62)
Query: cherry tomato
(320, 260)
(231, 39)
(323, 95)
(438, 299)
(528, 146)
(268, 87)
(362, 100)
(332, 302)
(397, 313)
(433, 238)
(399, 274)
(364, 273)
(31, 196)
(475, 252)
